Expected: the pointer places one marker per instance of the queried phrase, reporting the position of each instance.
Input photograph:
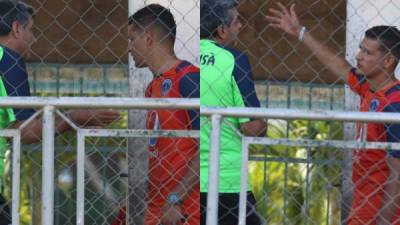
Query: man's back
(225, 81)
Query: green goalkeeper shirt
(225, 81)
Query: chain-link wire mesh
(299, 57)
(80, 48)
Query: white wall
(187, 17)
(363, 14)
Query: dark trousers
(228, 209)
(5, 214)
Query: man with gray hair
(16, 38)
(225, 81)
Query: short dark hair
(11, 11)
(388, 36)
(214, 13)
(155, 15)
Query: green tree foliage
(298, 185)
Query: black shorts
(228, 209)
(5, 214)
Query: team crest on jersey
(374, 105)
(166, 86)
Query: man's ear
(149, 37)
(15, 29)
(389, 61)
(221, 32)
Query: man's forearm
(334, 62)
(255, 128)
(32, 132)
(391, 197)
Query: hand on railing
(94, 118)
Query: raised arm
(287, 20)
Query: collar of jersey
(171, 71)
(4, 50)
(385, 88)
(209, 41)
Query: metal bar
(75, 66)
(265, 184)
(243, 182)
(307, 194)
(26, 122)
(179, 103)
(213, 171)
(267, 95)
(58, 81)
(139, 133)
(34, 80)
(81, 80)
(9, 133)
(320, 144)
(80, 180)
(256, 158)
(286, 178)
(101, 102)
(294, 83)
(291, 114)
(103, 69)
(67, 120)
(307, 181)
(328, 205)
(48, 166)
(16, 173)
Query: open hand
(285, 19)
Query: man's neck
(378, 82)
(219, 41)
(159, 65)
(5, 41)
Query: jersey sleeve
(9, 112)
(392, 129)
(244, 80)
(357, 82)
(243, 85)
(189, 87)
(15, 79)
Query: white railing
(50, 106)
(217, 114)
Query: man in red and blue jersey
(376, 180)
(173, 195)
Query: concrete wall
(86, 31)
(276, 56)
(364, 14)
(80, 31)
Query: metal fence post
(48, 166)
(80, 180)
(137, 147)
(16, 174)
(243, 182)
(213, 172)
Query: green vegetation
(293, 192)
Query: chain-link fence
(91, 180)
(280, 61)
(80, 48)
(299, 57)
(295, 180)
